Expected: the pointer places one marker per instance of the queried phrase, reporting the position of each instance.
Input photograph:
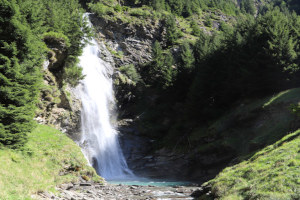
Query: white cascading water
(99, 138)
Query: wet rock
(120, 192)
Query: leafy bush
(118, 8)
(57, 36)
(101, 9)
(73, 72)
(131, 73)
(139, 12)
(195, 28)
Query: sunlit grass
(272, 173)
(48, 159)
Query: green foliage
(258, 58)
(247, 6)
(20, 58)
(162, 70)
(172, 31)
(225, 28)
(272, 173)
(285, 5)
(101, 9)
(39, 166)
(187, 58)
(158, 4)
(157, 53)
(26, 27)
(72, 73)
(57, 36)
(196, 31)
(139, 12)
(295, 109)
(131, 73)
(188, 7)
(208, 21)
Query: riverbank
(91, 191)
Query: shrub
(139, 12)
(101, 9)
(48, 36)
(73, 72)
(131, 73)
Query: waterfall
(99, 138)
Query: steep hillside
(48, 159)
(272, 173)
(243, 131)
(203, 151)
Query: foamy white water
(99, 138)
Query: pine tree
(187, 58)
(248, 6)
(172, 33)
(20, 57)
(162, 69)
(157, 53)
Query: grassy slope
(48, 159)
(272, 173)
(252, 125)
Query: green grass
(285, 96)
(272, 173)
(253, 124)
(49, 158)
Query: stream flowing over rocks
(92, 191)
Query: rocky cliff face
(132, 44)
(128, 43)
(58, 105)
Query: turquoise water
(159, 183)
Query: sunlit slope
(48, 159)
(272, 173)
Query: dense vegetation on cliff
(215, 62)
(26, 28)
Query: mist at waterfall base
(99, 139)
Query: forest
(27, 27)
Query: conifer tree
(162, 70)
(20, 57)
(172, 33)
(247, 6)
(187, 58)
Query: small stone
(85, 184)
(66, 186)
